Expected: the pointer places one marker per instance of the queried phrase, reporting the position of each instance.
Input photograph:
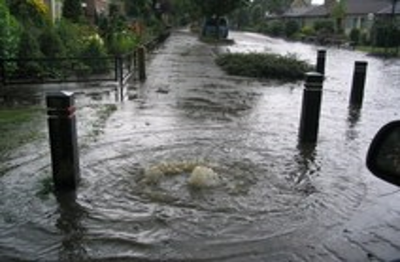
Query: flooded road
(274, 200)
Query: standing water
(202, 166)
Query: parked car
(383, 158)
(215, 27)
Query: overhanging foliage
(219, 8)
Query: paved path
(371, 232)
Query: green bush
(50, 44)
(276, 28)
(262, 28)
(291, 28)
(72, 10)
(386, 34)
(94, 55)
(122, 43)
(70, 35)
(10, 32)
(365, 39)
(29, 48)
(307, 31)
(324, 26)
(269, 66)
(355, 35)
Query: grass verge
(19, 126)
(379, 51)
(264, 66)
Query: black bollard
(359, 78)
(63, 140)
(311, 108)
(321, 61)
(142, 63)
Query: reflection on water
(71, 227)
(353, 120)
(306, 160)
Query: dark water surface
(275, 200)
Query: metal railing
(117, 69)
(66, 70)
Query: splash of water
(200, 175)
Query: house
(356, 14)
(91, 8)
(297, 11)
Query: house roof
(353, 7)
(367, 6)
(318, 11)
(388, 10)
(297, 11)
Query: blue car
(215, 27)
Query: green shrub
(29, 48)
(276, 28)
(291, 28)
(364, 38)
(307, 31)
(386, 34)
(50, 44)
(270, 66)
(10, 32)
(94, 55)
(72, 10)
(262, 28)
(122, 43)
(355, 35)
(71, 36)
(324, 26)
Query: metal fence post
(63, 140)
(311, 108)
(358, 87)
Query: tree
(72, 10)
(138, 8)
(30, 13)
(219, 8)
(10, 32)
(275, 6)
(184, 11)
(339, 13)
(257, 14)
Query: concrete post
(63, 140)
(359, 78)
(321, 61)
(311, 108)
(142, 63)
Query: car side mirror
(383, 158)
